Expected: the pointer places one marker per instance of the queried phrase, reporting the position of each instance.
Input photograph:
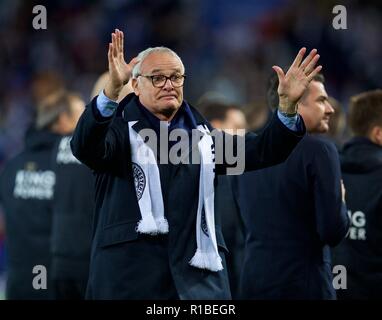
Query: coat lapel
(130, 111)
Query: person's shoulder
(320, 147)
(319, 142)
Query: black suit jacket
(126, 265)
(292, 213)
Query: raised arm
(119, 71)
(286, 129)
(93, 143)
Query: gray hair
(145, 53)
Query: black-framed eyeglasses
(159, 80)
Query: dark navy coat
(293, 213)
(127, 265)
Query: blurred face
(77, 107)
(235, 120)
(67, 122)
(166, 100)
(315, 108)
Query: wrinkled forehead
(161, 62)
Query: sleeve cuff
(106, 106)
(292, 123)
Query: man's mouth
(168, 97)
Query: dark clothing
(361, 251)
(73, 209)
(69, 289)
(26, 193)
(127, 265)
(232, 227)
(292, 213)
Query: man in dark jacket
(26, 194)
(293, 212)
(361, 163)
(168, 261)
(32, 205)
(73, 208)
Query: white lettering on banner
(64, 154)
(34, 184)
(357, 230)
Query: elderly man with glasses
(156, 233)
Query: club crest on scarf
(139, 180)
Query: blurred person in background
(73, 206)
(230, 118)
(134, 255)
(224, 116)
(18, 113)
(258, 116)
(293, 212)
(361, 164)
(101, 83)
(26, 194)
(45, 84)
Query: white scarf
(150, 199)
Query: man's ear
(376, 135)
(134, 84)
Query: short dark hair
(273, 83)
(365, 111)
(216, 110)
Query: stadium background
(228, 47)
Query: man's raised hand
(293, 84)
(119, 70)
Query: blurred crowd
(228, 48)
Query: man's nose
(328, 108)
(168, 85)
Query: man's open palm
(293, 84)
